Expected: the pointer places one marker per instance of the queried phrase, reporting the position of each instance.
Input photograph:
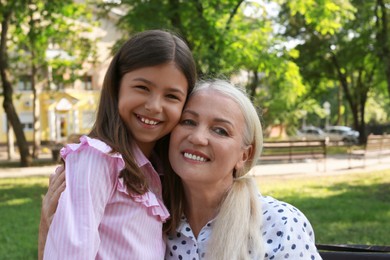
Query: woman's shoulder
(272, 204)
(286, 231)
(279, 210)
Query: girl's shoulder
(89, 143)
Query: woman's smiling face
(207, 144)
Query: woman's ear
(245, 156)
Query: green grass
(344, 209)
(353, 208)
(20, 203)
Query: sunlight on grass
(14, 202)
(351, 208)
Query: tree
(226, 37)
(382, 21)
(347, 56)
(48, 23)
(229, 37)
(7, 14)
(35, 25)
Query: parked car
(311, 133)
(342, 133)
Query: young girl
(112, 206)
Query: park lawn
(20, 203)
(352, 208)
(343, 209)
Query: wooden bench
(56, 146)
(355, 252)
(376, 145)
(294, 150)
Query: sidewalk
(24, 171)
(27, 171)
(333, 165)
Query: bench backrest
(378, 142)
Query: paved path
(25, 171)
(332, 166)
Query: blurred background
(306, 64)
(316, 69)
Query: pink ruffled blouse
(97, 217)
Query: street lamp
(326, 106)
(304, 114)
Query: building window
(24, 83)
(86, 82)
(27, 121)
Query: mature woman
(216, 210)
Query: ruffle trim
(95, 143)
(154, 205)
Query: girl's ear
(245, 156)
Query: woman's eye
(221, 131)
(187, 122)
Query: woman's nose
(198, 136)
(153, 104)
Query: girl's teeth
(149, 122)
(194, 157)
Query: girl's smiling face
(207, 144)
(150, 103)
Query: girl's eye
(141, 87)
(187, 122)
(221, 131)
(171, 96)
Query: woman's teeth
(194, 157)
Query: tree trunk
(10, 142)
(383, 41)
(9, 108)
(12, 116)
(353, 103)
(339, 103)
(253, 85)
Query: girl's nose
(198, 137)
(153, 104)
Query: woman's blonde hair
(237, 227)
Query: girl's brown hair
(145, 49)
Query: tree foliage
(341, 56)
(227, 38)
(29, 29)
(346, 58)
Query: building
(68, 109)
